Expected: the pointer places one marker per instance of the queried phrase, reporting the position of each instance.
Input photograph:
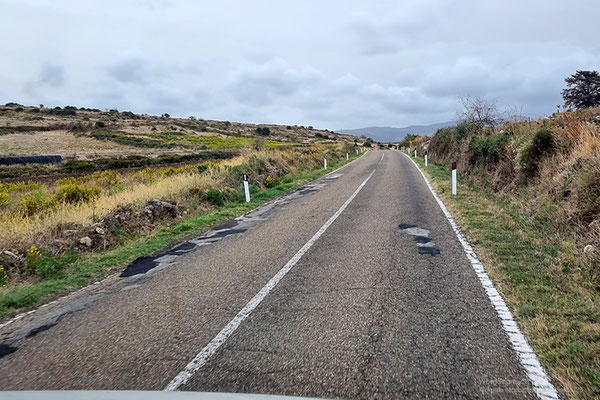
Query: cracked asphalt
(361, 315)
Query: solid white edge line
(211, 348)
(529, 361)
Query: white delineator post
(325, 162)
(246, 188)
(415, 153)
(346, 156)
(454, 178)
(425, 159)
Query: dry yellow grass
(17, 228)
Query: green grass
(76, 270)
(556, 308)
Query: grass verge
(83, 269)
(531, 266)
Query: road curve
(382, 304)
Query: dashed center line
(211, 348)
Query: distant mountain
(389, 134)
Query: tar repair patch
(424, 243)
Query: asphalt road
(369, 311)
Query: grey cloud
(261, 83)
(50, 75)
(351, 64)
(128, 67)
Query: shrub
(108, 178)
(257, 164)
(4, 199)
(76, 193)
(464, 130)
(541, 145)
(488, 149)
(216, 197)
(35, 202)
(100, 124)
(270, 182)
(263, 131)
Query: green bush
(264, 131)
(464, 130)
(541, 145)
(488, 149)
(76, 193)
(216, 197)
(100, 124)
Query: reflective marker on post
(246, 188)
(454, 178)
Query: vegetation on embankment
(529, 201)
(88, 227)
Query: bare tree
(479, 112)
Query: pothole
(424, 243)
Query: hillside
(389, 134)
(86, 133)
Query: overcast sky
(331, 64)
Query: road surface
(382, 304)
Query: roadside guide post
(246, 188)
(454, 178)
(325, 162)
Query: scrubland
(529, 200)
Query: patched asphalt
(370, 311)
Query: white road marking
(382, 155)
(529, 361)
(211, 348)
